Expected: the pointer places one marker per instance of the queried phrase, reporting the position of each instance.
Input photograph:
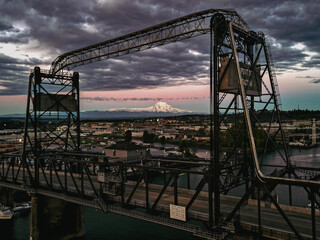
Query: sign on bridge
(178, 212)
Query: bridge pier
(6, 196)
(53, 218)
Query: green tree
(152, 137)
(193, 146)
(145, 137)
(163, 140)
(202, 132)
(184, 146)
(128, 136)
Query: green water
(17, 228)
(100, 225)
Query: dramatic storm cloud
(35, 32)
(106, 99)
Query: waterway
(99, 225)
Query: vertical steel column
(216, 176)
(65, 176)
(122, 186)
(50, 162)
(235, 141)
(245, 162)
(81, 169)
(259, 210)
(210, 200)
(75, 83)
(210, 191)
(24, 150)
(251, 162)
(94, 166)
(313, 215)
(36, 84)
(290, 189)
(68, 133)
(12, 168)
(3, 162)
(175, 188)
(147, 188)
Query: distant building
(202, 139)
(137, 133)
(168, 136)
(125, 150)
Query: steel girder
(53, 113)
(52, 117)
(189, 26)
(231, 37)
(229, 46)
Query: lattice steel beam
(191, 25)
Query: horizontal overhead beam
(189, 26)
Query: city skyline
(35, 33)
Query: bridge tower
(53, 114)
(244, 110)
(52, 125)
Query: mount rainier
(162, 107)
(159, 109)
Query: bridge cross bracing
(189, 26)
(230, 38)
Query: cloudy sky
(35, 32)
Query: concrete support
(6, 196)
(53, 218)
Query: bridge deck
(300, 217)
(272, 221)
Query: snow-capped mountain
(165, 107)
(161, 107)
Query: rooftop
(126, 146)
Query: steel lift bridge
(244, 105)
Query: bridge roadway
(271, 218)
(272, 221)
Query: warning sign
(178, 212)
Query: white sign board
(178, 212)
(101, 177)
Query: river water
(99, 225)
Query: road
(271, 218)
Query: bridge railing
(74, 176)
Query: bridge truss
(243, 94)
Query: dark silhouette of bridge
(243, 87)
